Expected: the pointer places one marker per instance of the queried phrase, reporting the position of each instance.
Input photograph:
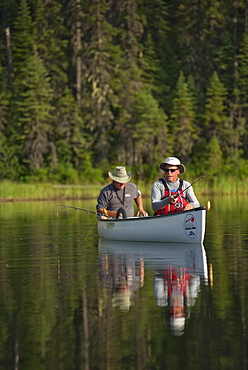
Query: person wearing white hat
(120, 195)
(171, 194)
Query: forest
(87, 85)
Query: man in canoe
(171, 194)
(120, 195)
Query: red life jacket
(177, 279)
(172, 208)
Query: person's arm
(139, 203)
(105, 212)
(103, 203)
(191, 198)
(157, 195)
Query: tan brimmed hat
(172, 161)
(120, 175)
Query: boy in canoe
(171, 194)
(120, 195)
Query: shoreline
(41, 199)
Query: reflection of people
(122, 296)
(120, 194)
(168, 193)
(177, 288)
(123, 275)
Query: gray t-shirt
(158, 194)
(111, 198)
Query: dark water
(71, 301)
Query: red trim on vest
(172, 208)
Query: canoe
(181, 227)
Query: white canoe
(181, 227)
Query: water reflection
(179, 270)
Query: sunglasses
(171, 169)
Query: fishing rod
(199, 178)
(81, 209)
(208, 205)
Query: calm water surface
(71, 301)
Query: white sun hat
(172, 161)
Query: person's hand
(173, 199)
(106, 214)
(142, 212)
(188, 207)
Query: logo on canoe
(190, 226)
(110, 224)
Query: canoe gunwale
(150, 217)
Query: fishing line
(90, 230)
(86, 210)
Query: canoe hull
(181, 227)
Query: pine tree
(126, 18)
(243, 73)
(215, 109)
(149, 133)
(32, 107)
(8, 159)
(214, 162)
(22, 36)
(182, 120)
(52, 42)
(97, 66)
(159, 66)
(70, 144)
(51, 38)
(242, 91)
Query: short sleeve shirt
(111, 198)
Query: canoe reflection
(179, 270)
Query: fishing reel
(178, 205)
(121, 213)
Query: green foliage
(149, 129)
(214, 162)
(87, 84)
(23, 35)
(9, 164)
(91, 173)
(182, 121)
(4, 104)
(32, 112)
(67, 174)
(215, 111)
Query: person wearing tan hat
(168, 195)
(120, 194)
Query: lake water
(70, 301)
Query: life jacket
(177, 279)
(179, 205)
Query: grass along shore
(12, 191)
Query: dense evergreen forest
(89, 84)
